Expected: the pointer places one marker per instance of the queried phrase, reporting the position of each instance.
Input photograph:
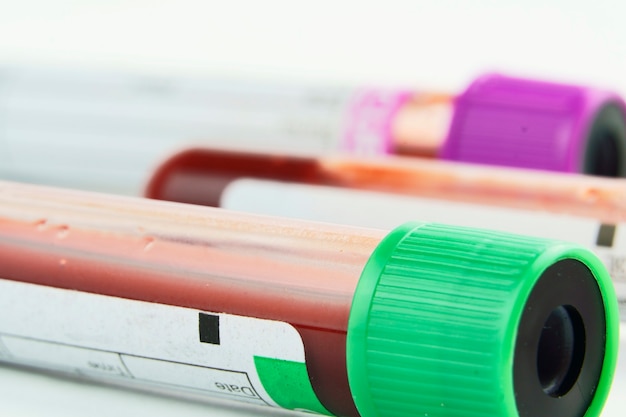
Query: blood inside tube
(162, 256)
(200, 176)
(420, 126)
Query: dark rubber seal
(560, 346)
(606, 148)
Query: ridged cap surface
(525, 123)
(433, 323)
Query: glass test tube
(107, 131)
(585, 209)
(427, 319)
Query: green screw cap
(454, 321)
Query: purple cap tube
(516, 122)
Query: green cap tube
(453, 321)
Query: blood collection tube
(107, 132)
(585, 209)
(427, 319)
(534, 124)
(200, 176)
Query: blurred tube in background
(425, 319)
(107, 132)
(585, 209)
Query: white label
(386, 211)
(109, 337)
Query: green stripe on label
(288, 384)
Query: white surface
(416, 42)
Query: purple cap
(523, 123)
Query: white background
(436, 44)
(440, 43)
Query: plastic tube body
(87, 279)
(201, 175)
(300, 273)
(107, 132)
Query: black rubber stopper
(606, 148)
(560, 344)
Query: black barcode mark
(606, 234)
(209, 328)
